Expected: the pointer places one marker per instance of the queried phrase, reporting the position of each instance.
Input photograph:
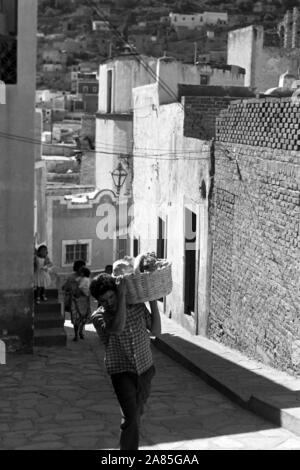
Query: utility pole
(51, 123)
(195, 52)
(110, 49)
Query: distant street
(61, 398)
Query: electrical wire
(158, 157)
(136, 55)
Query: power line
(116, 153)
(137, 55)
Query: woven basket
(147, 286)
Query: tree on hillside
(289, 4)
(184, 6)
(245, 6)
(127, 3)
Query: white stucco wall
(127, 74)
(263, 65)
(163, 187)
(240, 51)
(193, 21)
(171, 73)
(113, 137)
(211, 17)
(17, 118)
(223, 77)
(17, 151)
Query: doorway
(136, 246)
(190, 224)
(161, 246)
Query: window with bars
(74, 250)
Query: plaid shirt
(130, 351)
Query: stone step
(50, 337)
(57, 313)
(52, 294)
(48, 307)
(54, 320)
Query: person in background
(125, 331)
(80, 304)
(71, 284)
(84, 280)
(42, 278)
(108, 269)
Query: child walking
(42, 279)
(80, 303)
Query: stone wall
(289, 29)
(255, 217)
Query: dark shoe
(81, 336)
(75, 339)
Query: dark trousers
(39, 292)
(132, 391)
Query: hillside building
(197, 20)
(266, 55)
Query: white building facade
(197, 20)
(17, 168)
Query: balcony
(8, 59)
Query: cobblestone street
(61, 398)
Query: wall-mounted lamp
(119, 176)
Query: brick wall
(201, 113)
(255, 217)
(270, 122)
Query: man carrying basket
(124, 329)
